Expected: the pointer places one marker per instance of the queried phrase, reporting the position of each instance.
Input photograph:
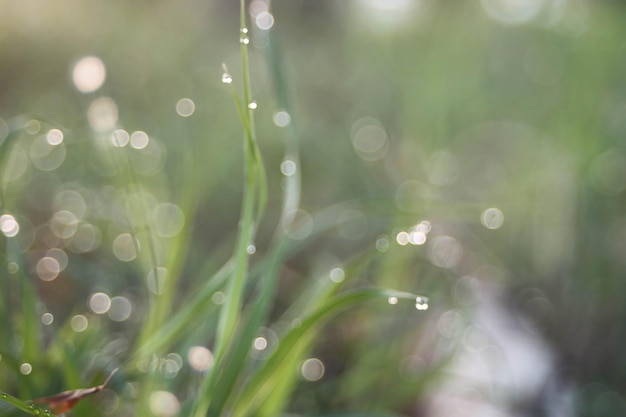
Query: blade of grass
(265, 380)
(24, 406)
(253, 205)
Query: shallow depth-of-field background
(472, 152)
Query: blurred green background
(499, 123)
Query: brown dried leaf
(66, 400)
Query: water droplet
(252, 105)
(227, 78)
(37, 411)
(421, 303)
(251, 249)
(4, 396)
(244, 30)
(392, 300)
(244, 40)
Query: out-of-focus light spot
(608, 172)
(466, 290)
(337, 275)
(450, 324)
(417, 237)
(64, 224)
(60, 256)
(26, 368)
(72, 201)
(288, 167)
(312, 369)
(150, 160)
(9, 226)
(102, 114)
(125, 247)
(392, 300)
(264, 344)
(442, 168)
(139, 139)
(445, 252)
(88, 74)
(402, 238)
(257, 7)
(120, 138)
(281, 118)
(419, 233)
(99, 303)
(512, 12)
(32, 127)
(260, 343)
(252, 105)
(251, 249)
(169, 219)
(421, 303)
(120, 309)
(218, 298)
(369, 139)
(171, 365)
(45, 156)
(424, 226)
(47, 268)
(54, 137)
(164, 404)
(302, 225)
(382, 15)
(156, 280)
(200, 358)
(12, 267)
(264, 20)
(492, 218)
(382, 244)
(185, 107)
(47, 319)
(79, 323)
(16, 165)
(86, 239)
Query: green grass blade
(24, 406)
(265, 380)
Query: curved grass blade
(267, 377)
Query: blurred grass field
(469, 152)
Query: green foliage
(236, 383)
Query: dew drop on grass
(252, 105)
(227, 78)
(421, 303)
(392, 300)
(244, 40)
